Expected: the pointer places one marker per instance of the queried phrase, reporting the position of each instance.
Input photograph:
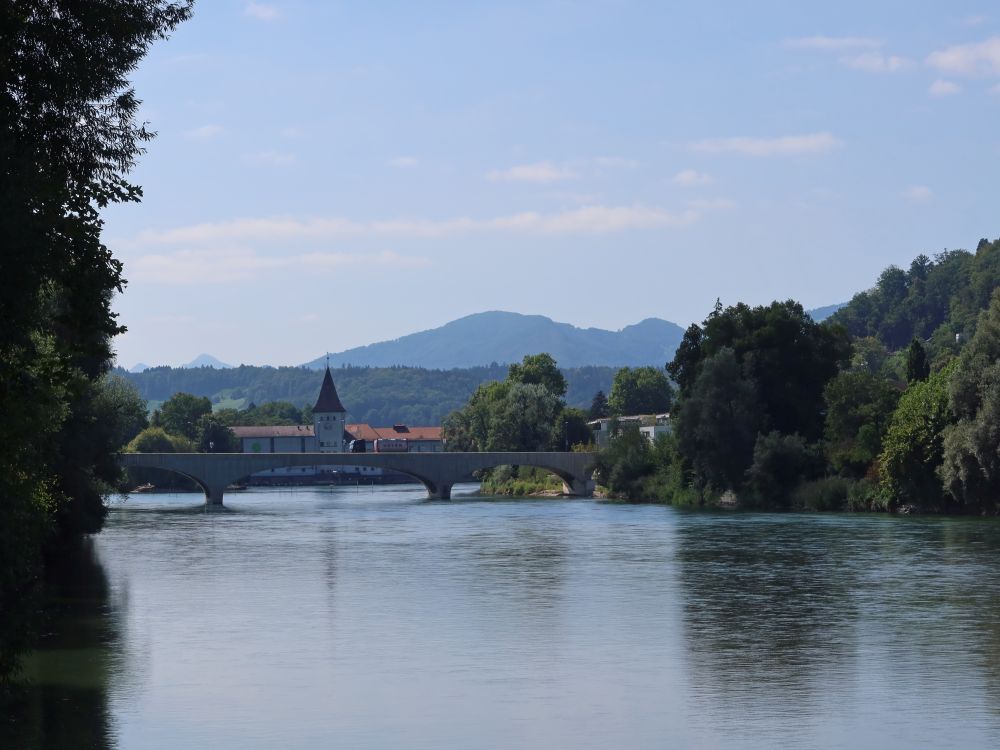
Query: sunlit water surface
(332, 617)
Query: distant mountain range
(505, 337)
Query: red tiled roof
(270, 431)
(367, 432)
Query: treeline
(892, 404)
(376, 395)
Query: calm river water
(321, 618)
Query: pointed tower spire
(328, 400)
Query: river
(372, 618)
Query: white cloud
(944, 88)
(544, 171)
(918, 194)
(204, 132)
(593, 219)
(995, 89)
(262, 12)
(216, 266)
(292, 133)
(834, 43)
(403, 162)
(690, 177)
(977, 59)
(270, 158)
(874, 62)
(786, 145)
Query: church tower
(329, 418)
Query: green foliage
(625, 464)
(68, 138)
(971, 461)
(599, 408)
(932, 300)
(719, 421)
(539, 369)
(780, 464)
(215, 437)
(181, 413)
(158, 440)
(913, 445)
(782, 350)
(917, 366)
(828, 493)
(571, 429)
(640, 390)
(859, 406)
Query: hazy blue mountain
(505, 337)
(207, 360)
(139, 367)
(822, 313)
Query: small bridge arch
(438, 472)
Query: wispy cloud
(976, 59)
(593, 219)
(543, 171)
(786, 145)
(918, 194)
(270, 158)
(262, 12)
(219, 266)
(404, 162)
(204, 132)
(874, 62)
(291, 133)
(944, 88)
(691, 177)
(833, 43)
(974, 20)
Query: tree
(971, 460)
(181, 413)
(640, 390)
(913, 445)
(780, 464)
(859, 406)
(917, 367)
(215, 437)
(599, 406)
(787, 355)
(718, 422)
(539, 369)
(68, 138)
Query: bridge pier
(213, 494)
(578, 487)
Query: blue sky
(329, 174)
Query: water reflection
(63, 699)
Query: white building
(650, 425)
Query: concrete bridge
(437, 471)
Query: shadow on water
(61, 700)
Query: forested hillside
(377, 395)
(933, 300)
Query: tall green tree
(539, 369)
(859, 406)
(181, 414)
(599, 406)
(917, 366)
(68, 138)
(913, 446)
(640, 390)
(971, 461)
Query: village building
(330, 433)
(650, 425)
